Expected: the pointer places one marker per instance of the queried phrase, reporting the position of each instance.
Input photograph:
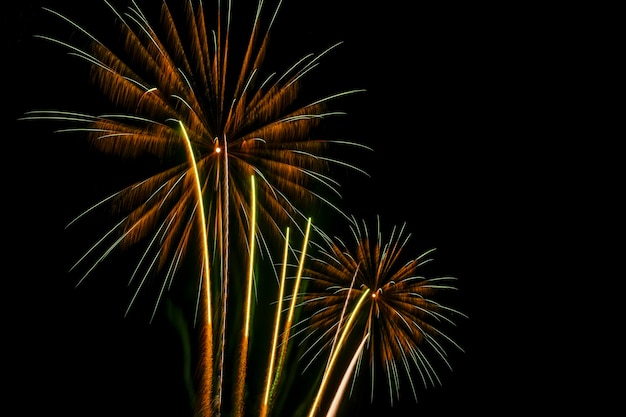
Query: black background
(480, 145)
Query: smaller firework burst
(399, 315)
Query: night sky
(454, 147)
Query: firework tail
(294, 298)
(243, 356)
(206, 360)
(225, 245)
(270, 381)
(288, 323)
(334, 406)
(343, 313)
(335, 352)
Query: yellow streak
(343, 311)
(243, 353)
(279, 308)
(296, 288)
(205, 248)
(336, 351)
(251, 262)
(292, 308)
(208, 337)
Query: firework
(400, 319)
(239, 162)
(177, 77)
(183, 93)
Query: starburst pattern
(206, 110)
(175, 76)
(401, 318)
(239, 162)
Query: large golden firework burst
(184, 93)
(240, 163)
(175, 85)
